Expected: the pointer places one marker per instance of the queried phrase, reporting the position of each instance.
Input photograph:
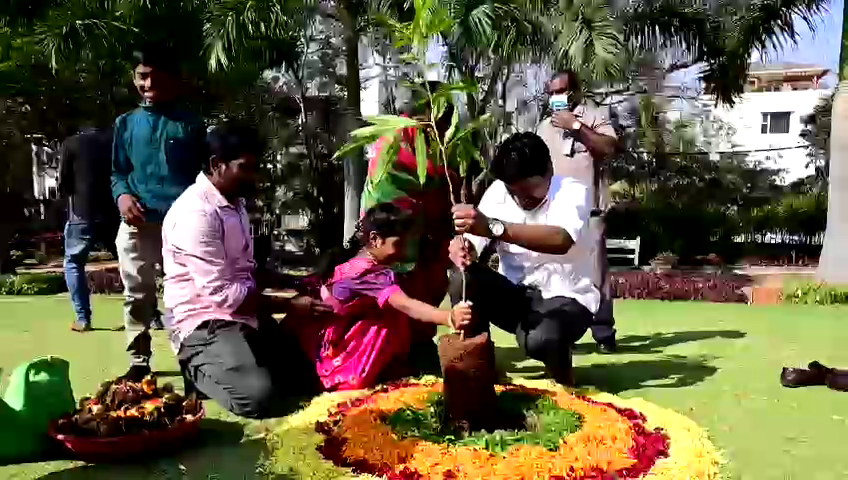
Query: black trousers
(603, 325)
(546, 329)
(255, 373)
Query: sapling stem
(444, 156)
(462, 194)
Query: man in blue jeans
(84, 180)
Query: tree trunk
(354, 162)
(833, 263)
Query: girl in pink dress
(368, 337)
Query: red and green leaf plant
(455, 150)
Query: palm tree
(486, 38)
(833, 264)
(597, 37)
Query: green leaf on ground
(535, 420)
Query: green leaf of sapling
(454, 124)
(421, 156)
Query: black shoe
(837, 380)
(823, 370)
(608, 347)
(136, 373)
(834, 378)
(801, 377)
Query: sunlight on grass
(718, 364)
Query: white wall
(746, 119)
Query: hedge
(816, 294)
(32, 284)
(710, 287)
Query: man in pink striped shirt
(226, 349)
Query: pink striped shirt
(207, 253)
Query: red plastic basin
(130, 447)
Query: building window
(775, 122)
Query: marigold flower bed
(619, 438)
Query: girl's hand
(460, 316)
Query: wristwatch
(576, 125)
(497, 228)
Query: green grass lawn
(719, 364)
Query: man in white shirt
(537, 223)
(581, 139)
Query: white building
(768, 119)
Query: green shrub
(817, 294)
(32, 284)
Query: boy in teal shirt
(158, 150)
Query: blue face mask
(558, 102)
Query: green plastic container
(39, 392)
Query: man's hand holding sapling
(538, 238)
(467, 219)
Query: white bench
(629, 249)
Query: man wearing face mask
(581, 138)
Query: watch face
(497, 228)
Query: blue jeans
(81, 237)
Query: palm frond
(79, 30)
(260, 32)
(666, 24)
(588, 40)
(756, 26)
(720, 34)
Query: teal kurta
(156, 154)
